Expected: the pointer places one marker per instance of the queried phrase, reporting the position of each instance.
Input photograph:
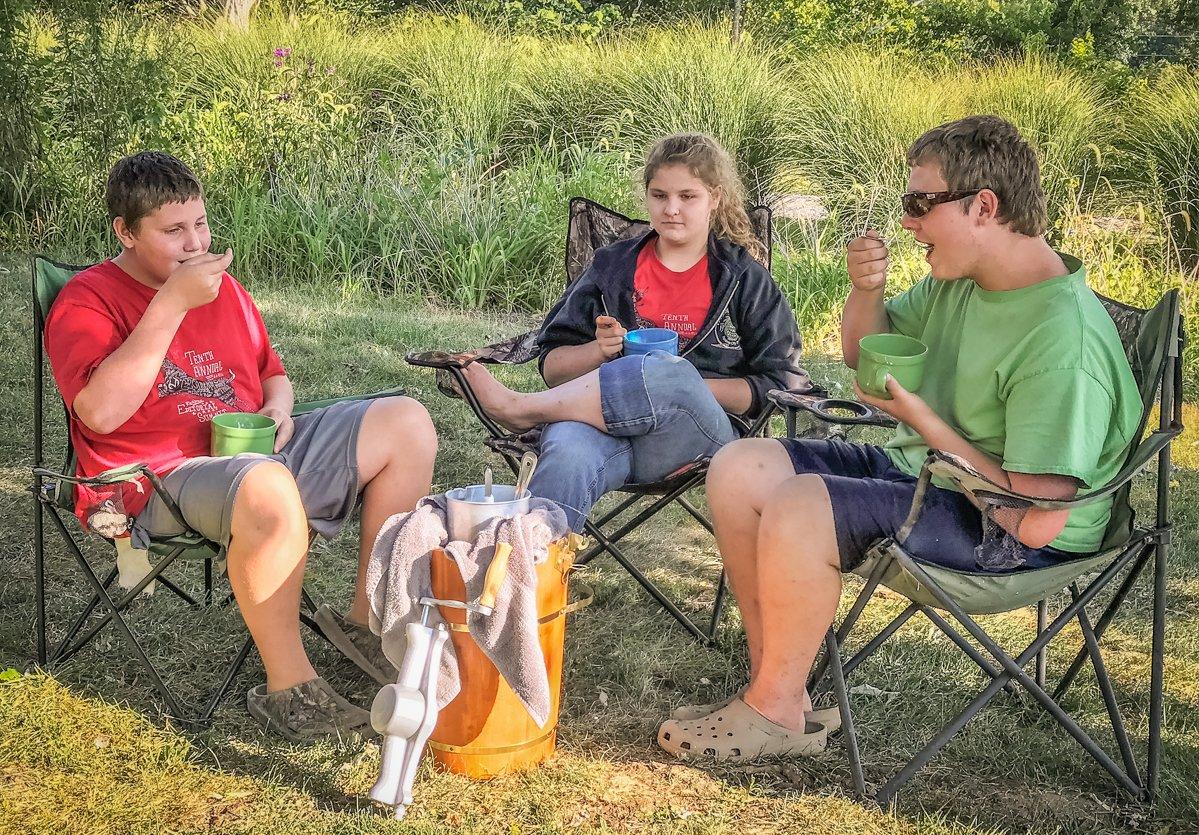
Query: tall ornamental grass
(1065, 116)
(1162, 131)
(424, 155)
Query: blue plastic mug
(644, 340)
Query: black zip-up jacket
(749, 332)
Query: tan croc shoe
(738, 733)
(830, 717)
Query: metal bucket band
(502, 749)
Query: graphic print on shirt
(725, 335)
(208, 381)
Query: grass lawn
(88, 750)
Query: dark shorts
(322, 456)
(871, 498)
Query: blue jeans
(660, 416)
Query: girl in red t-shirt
(699, 271)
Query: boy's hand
(197, 281)
(867, 259)
(286, 425)
(904, 406)
(609, 333)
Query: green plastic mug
(881, 354)
(237, 432)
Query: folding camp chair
(53, 496)
(592, 226)
(1153, 341)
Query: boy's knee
(268, 495)
(407, 422)
(748, 469)
(729, 464)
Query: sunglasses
(920, 203)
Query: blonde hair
(710, 163)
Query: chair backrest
(1152, 341)
(593, 226)
(49, 277)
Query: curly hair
(707, 160)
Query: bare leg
(577, 400)
(267, 553)
(396, 447)
(742, 479)
(799, 584)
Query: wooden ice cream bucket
(485, 730)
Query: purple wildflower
(282, 51)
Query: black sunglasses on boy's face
(920, 203)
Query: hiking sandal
(356, 643)
(309, 711)
(738, 733)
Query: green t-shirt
(1035, 377)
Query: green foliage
(554, 17)
(1162, 131)
(433, 156)
(1138, 30)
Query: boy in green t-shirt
(1025, 379)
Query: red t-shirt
(216, 363)
(664, 298)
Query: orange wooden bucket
(485, 730)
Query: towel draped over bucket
(398, 576)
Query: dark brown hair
(988, 152)
(140, 183)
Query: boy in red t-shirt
(146, 348)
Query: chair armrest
(831, 409)
(313, 405)
(441, 359)
(515, 351)
(961, 473)
(130, 473)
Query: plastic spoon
(487, 485)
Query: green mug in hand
(237, 432)
(880, 354)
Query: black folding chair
(592, 226)
(1153, 342)
(53, 498)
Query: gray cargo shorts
(322, 455)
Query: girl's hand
(904, 406)
(609, 333)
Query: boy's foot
(309, 711)
(738, 733)
(497, 400)
(830, 717)
(357, 643)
